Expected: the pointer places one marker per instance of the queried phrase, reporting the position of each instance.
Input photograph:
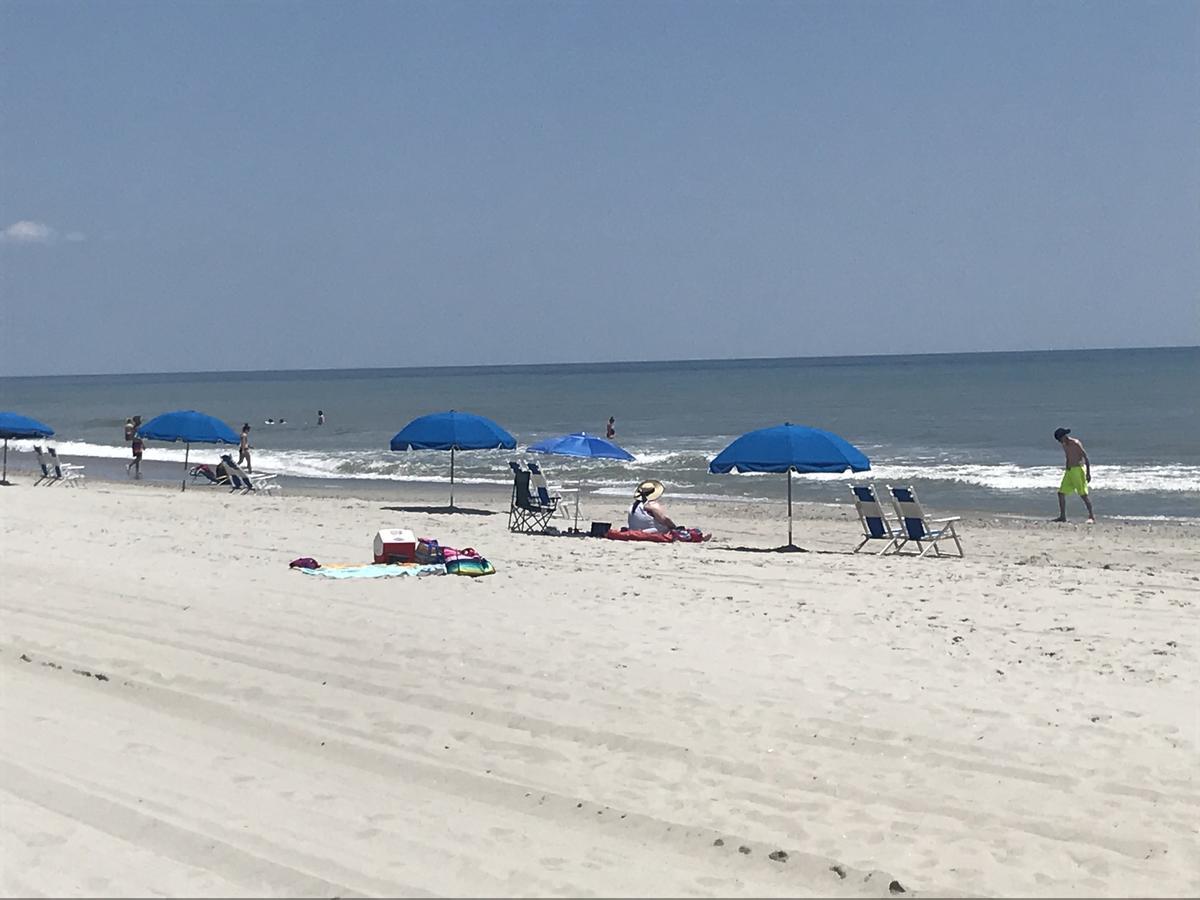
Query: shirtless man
(1077, 476)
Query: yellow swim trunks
(1074, 482)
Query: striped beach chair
(916, 527)
(872, 518)
(64, 472)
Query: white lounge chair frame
(68, 473)
(253, 482)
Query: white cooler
(395, 545)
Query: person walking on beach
(136, 445)
(1077, 476)
(244, 447)
(611, 431)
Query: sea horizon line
(584, 365)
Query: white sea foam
(626, 491)
(1007, 477)
(681, 469)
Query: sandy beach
(185, 715)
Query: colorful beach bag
(429, 552)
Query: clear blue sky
(292, 185)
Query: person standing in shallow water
(244, 448)
(320, 417)
(611, 431)
(136, 445)
(1077, 477)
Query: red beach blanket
(681, 535)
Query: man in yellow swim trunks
(1076, 478)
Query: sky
(194, 186)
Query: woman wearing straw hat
(647, 514)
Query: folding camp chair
(46, 465)
(917, 527)
(526, 513)
(870, 514)
(540, 489)
(67, 473)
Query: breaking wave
(682, 470)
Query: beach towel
(374, 570)
(681, 535)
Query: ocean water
(972, 431)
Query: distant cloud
(29, 232)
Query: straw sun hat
(650, 490)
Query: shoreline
(111, 471)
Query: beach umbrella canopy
(789, 448)
(14, 425)
(585, 446)
(453, 431)
(190, 427)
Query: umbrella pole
(187, 449)
(578, 491)
(789, 478)
(452, 478)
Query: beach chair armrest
(947, 519)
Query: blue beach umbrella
(585, 446)
(452, 431)
(582, 444)
(789, 448)
(188, 426)
(16, 426)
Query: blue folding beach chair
(539, 487)
(46, 465)
(874, 523)
(526, 513)
(918, 528)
